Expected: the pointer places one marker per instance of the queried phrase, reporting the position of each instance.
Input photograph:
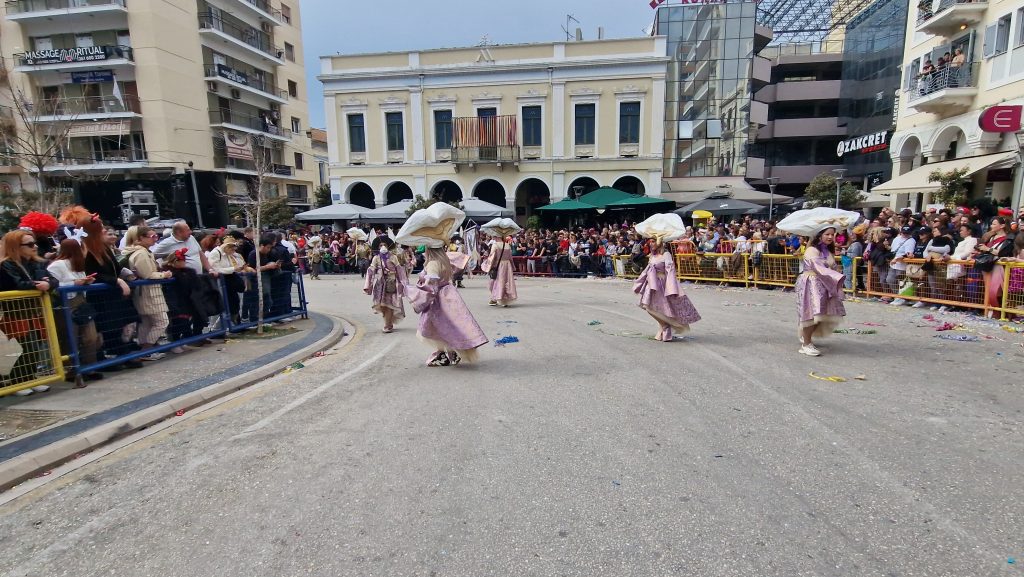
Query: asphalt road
(583, 450)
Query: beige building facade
(161, 94)
(960, 58)
(515, 125)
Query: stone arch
(942, 143)
(490, 190)
(531, 193)
(588, 183)
(397, 191)
(631, 184)
(360, 194)
(446, 190)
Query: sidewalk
(44, 429)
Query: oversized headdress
(356, 233)
(812, 221)
(662, 227)
(501, 227)
(432, 226)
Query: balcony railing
(102, 157)
(261, 123)
(247, 34)
(265, 6)
(75, 55)
(283, 170)
(26, 6)
(88, 105)
(947, 77)
(247, 77)
(485, 139)
(925, 12)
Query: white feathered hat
(356, 233)
(811, 221)
(432, 226)
(662, 227)
(501, 227)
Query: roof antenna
(569, 18)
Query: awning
(647, 202)
(744, 193)
(340, 211)
(916, 180)
(601, 197)
(568, 205)
(702, 183)
(476, 208)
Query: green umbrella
(641, 202)
(568, 205)
(605, 196)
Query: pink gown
(445, 320)
(819, 294)
(661, 296)
(503, 288)
(376, 281)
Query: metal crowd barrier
(28, 323)
(118, 321)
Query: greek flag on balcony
(117, 93)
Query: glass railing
(25, 6)
(802, 49)
(928, 83)
(261, 122)
(86, 105)
(75, 55)
(247, 34)
(246, 76)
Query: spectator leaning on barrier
(21, 269)
(69, 270)
(226, 260)
(181, 237)
(148, 299)
(267, 268)
(902, 248)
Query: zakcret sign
(1004, 118)
(864, 144)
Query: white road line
(315, 392)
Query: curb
(24, 466)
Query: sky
(348, 27)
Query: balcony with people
(945, 87)
(942, 17)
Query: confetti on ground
(961, 338)
(594, 323)
(506, 341)
(872, 324)
(831, 378)
(855, 331)
(508, 322)
(739, 304)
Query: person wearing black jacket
(21, 269)
(114, 308)
(281, 282)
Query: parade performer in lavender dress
(385, 281)
(658, 285)
(819, 288)
(499, 263)
(445, 321)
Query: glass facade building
(708, 87)
(872, 65)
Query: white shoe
(898, 302)
(23, 392)
(918, 305)
(810, 350)
(153, 357)
(41, 388)
(943, 309)
(936, 307)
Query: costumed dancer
(459, 260)
(819, 288)
(361, 250)
(499, 261)
(315, 256)
(445, 321)
(385, 282)
(657, 285)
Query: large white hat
(662, 227)
(811, 221)
(356, 233)
(501, 227)
(432, 226)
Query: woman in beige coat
(148, 299)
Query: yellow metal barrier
(1013, 290)
(714, 267)
(953, 283)
(29, 342)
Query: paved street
(582, 450)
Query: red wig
(41, 223)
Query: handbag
(83, 313)
(907, 288)
(915, 271)
(985, 262)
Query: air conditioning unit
(211, 86)
(236, 93)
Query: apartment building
(515, 125)
(188, 98)
(960, 58)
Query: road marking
(315, 392)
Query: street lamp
(839, 175)
(195, 196)
(773, 181)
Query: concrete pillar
(558, 120)
(558, 186)
(416, 110)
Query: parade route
(582, 447)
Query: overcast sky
(348, 26)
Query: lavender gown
(819, 293)
(503, 288)
(376, 277)
(661, 296)
(445, 320)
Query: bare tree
(35, 137)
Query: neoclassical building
(515, 125)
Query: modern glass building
(872, 65)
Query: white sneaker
(918, 305)
(936, 307)
(23, 392)
(943, 309)
(898, 302)
(153, 357)
(810, 350)
(41, 388)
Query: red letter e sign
(1000, 118)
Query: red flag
(656, 3)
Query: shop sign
(92, 76)
(62, 55)
(116, 128)
(864, 144)
(1000, 118)
(237, 145)
(231, 74)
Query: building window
(293, 89)
(296, 125)
(1019, 40)
(356, 133)
(396, 137)
(296, 191)
(532, 126)
(286, 14)
(289, 52)
(442, 129)
(997, 38)
(629, 123)
(585, 122)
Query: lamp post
(839, 176)
(773, 181)
(195, 196)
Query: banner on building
(237, 145)
(92, 76)
(115, 128)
